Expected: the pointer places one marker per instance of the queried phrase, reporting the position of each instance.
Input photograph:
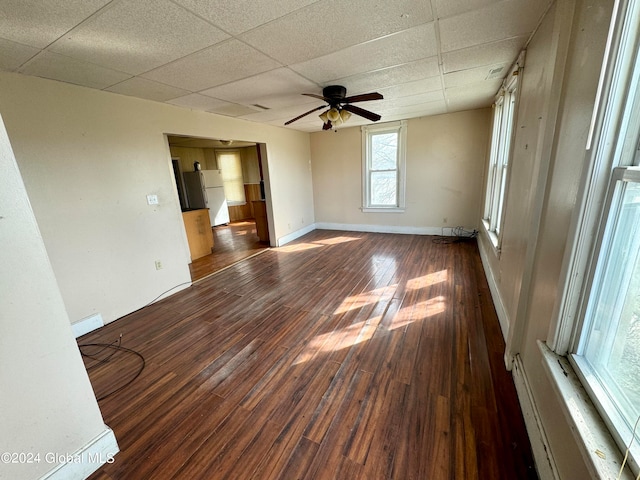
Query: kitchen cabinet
(199, 234)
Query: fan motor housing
(334, 92)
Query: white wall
(47, 405)
(557, 97)
(446, 157)
(89, 159)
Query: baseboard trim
(86, 325)
(357, 227)
(495, 293)
(293, 235)
(542, 454)
(87, 460)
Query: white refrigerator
(205, 190)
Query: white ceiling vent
(495, 72)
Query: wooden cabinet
(199, 234)
(260, 214)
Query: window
(598, 323)
(231, 168)
(383, 167)
(503, 119)
(607, 355)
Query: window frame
(502, 136)
(226, 181)
(612, 149)
(368, 131)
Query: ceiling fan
(339, 106)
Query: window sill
(382, 210)
(600, 452)
(495, 241)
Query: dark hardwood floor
(339, 356)
(231, 243)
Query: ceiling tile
(402, 47)
(40, 22)
(448, 8)
(485, 54)
(58, 67)
(197, 102)
(387, 77)
(137, 35)
(228, 61)
(143, 88)
(474, 75)
(232, 110)
(330, 25)
(282, 115)
(238, 16)
(497, 21)
(274, 89)
(401, 102)
(482, 93)
(13, 55)
(416, 87)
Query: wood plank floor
(231, 243)
(339, 356)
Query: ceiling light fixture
(226, 142)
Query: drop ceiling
(252, 59)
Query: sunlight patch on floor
(427, 280)
(336, 240)
(299, 247)
(355, 302)
(335, 340)
(418, 312)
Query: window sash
(499, 157)
(230, 166)
(379, 173)
(607, 309)
(395, 173)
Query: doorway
(240, 164)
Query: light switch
(152, 199)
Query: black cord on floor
(458, 234)
(116, 346)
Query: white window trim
(401, 128)
(612, 137)
(500, 157)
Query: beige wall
(47, 404)
(89, 159)
(557, 97)
(445, 167)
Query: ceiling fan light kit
(339, 106)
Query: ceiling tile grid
(254, 58)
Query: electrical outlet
(152, 199)
(158, 265)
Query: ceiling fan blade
(305, 114)
(374, 117)
(319, 97)
(327, 125)
(363, 98)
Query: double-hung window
(383, 148)
(598, 324)
(230, 165)
(607, 353)
(502, 133)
